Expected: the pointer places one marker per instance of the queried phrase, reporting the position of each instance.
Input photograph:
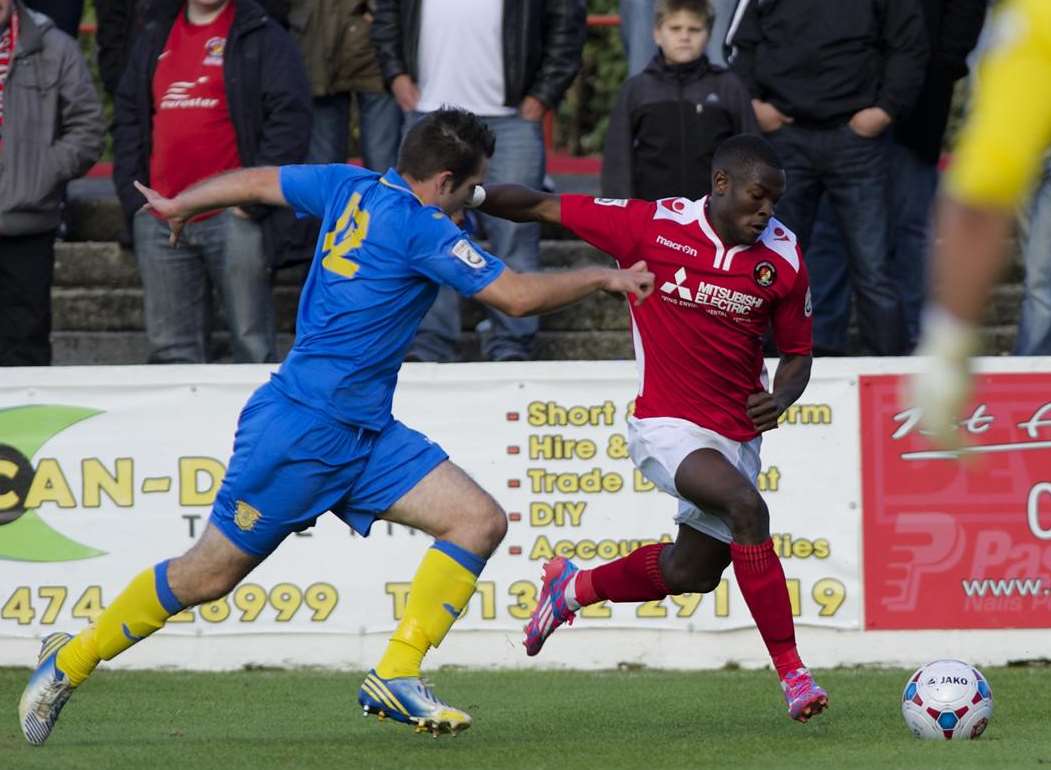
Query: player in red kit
(726, 272)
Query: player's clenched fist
(763, 410)
(635, 280)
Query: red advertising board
(958, 540)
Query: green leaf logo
(24, 536)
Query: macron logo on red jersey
(680, 247)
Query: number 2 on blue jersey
(351, 229)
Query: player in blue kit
(320, 435)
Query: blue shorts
(290, 465)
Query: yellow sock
(443, 583)
(141, 608)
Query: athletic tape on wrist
(477, 197)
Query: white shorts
(658, 445)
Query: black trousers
(27, 266)
(65, 13)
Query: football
(947, 700)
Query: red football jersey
(698, 337)
(193, 134)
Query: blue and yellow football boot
(410, 700)
(46, 694)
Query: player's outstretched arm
(520, 204)
(234, 188)
(521, 294)
(793, 375)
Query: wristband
(477, 197)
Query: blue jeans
(1034, 327)
(852, 172)
(913, 184)
(380, 123)
(224, 251)
(519, 158)
(636, 33)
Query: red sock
(762, 582)
(633, 578)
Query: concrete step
(92, 348)
(103, 309)
(98, 294)
(129, 347)
(107, 264)
(97, 288)
(93, 212)
(1005, 306)
(998, 340)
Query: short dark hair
(448, 139)
(740, 154)
(702, 8)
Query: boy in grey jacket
(50, 132)
(670, 117)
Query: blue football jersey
(379, 261)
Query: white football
(948, 700)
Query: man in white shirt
(508, 62)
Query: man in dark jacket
(212, 85)
(669, 119)
(508, 62)
(953, 27)
(50, 132)
(825, 94)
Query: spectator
(1034, 329)
(829, 124)
(120, 21)
(668, 120)
(334, 38)
(211, 86)
(953, 27)
(65, 13)
(435, 52)
(50, 132)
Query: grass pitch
(564, 720)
